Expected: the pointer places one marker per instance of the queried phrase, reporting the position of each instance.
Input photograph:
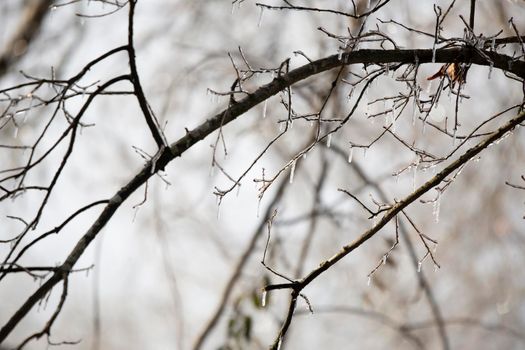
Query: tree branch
(177, 148)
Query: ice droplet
(369, 281)
(279, 343)
(414, 177)
(238, 190)
(259, 22)
(493, 44)
(350, 154)
(259, 206)
(340, 54)
(414, 111)
(437, 205)
(384, 259)
(15, 132)
(491, 66)
(219, 201)
(263, 298)
(419, 265)
(329, 140)
(265, 107)
(292, 171)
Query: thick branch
(199, 133)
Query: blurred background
(160, 268)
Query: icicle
(259, 206)
(434, 53)
(369, 281)
(493, 44)
(364, 152)
(279, 343)
(292, 171)
(238, 190)
(53, 8)
(419, 265)
(350, 94)
(367, 4)
(15, 133)
(329, 140)
(219, 201)
(437, 205)
(387, 69)
(281, 126)
(350, 154)
(304, 155)
(429, 88)
(414, 111)
(384, 259)
(414, 178)
(491, 66)
(394, 117)
(340, 54)
(265, 106)
(260, 17)
(263, 298)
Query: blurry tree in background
(204, 174)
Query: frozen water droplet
(434, 53)
(15, 132)
(350, 154)
(292, 171)
(414, 177)
(329, 140)
(304, 155)
(384, 259)
(369, 281)
(491, 66)
(263, 298)
(437, 205)
(414, 112)
(493, 44)
(259, 206)
(265, 107)
(279, 343)
(219, 201)
(259, 22)
(367, 4)
(364, 152)
(419, 265)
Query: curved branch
(176, 149)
